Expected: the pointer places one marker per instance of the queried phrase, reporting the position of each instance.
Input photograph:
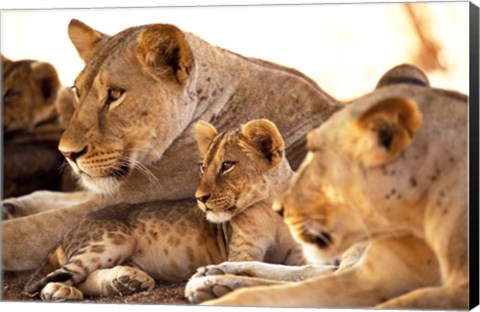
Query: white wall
(345, 48)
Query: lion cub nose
(74, 155)
(203, 198)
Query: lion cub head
(358, 172)
(239, 168)
(29, 93)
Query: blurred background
(345, 48)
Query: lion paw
(209, 270)
(60, 292)
(239, 268)
(200, 289)
(129, 280)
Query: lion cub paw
(127, 280)
(60, 292)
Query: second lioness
(242, 172)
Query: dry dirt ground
(163, 293)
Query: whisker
(141, 168)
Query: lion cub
(124, 248)
(242, 172)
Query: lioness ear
(84, 38)
(404, 73)
(204, 134)
(264, 137)
(163, 47)
(381, 133)
(46, 77)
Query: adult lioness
(138, 96)
(390, 168)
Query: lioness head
(354, 165)
(237, 167)
(29, 92)
(132, 101)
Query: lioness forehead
(111, 50)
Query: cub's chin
(221, 216)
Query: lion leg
(41, 201)
(444, 297)
(367, 284)
(214, 281)
(26, 241)
(114, 247)
(117, 280)
(264, 270)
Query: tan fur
(168, 241)
(136, 107)
(410, 203)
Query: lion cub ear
(266, 140)
(84, 38)
(385, 130)
(163, 46)
(5, 60)
(204, 134)
(46, 78)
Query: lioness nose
(74, 155)
(203, 198)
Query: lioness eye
(202, 168)
(227, 166)
(113, 94)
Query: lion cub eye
(202, 168)
(227, 166)
(10, 94)
(113, 95)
